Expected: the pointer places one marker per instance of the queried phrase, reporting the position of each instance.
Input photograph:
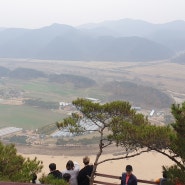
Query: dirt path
(65, 150)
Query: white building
(9, 130)
(152, 112)
(94, 100)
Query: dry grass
(160, 74)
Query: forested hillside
(142, 95)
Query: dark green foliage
(100, 118)
(14, 167)
(26, 74)
(177, 145)
(145, 96)
(167, 140)
(175, 175)
(132, 131)
(179, 115)
(52, 180)
(77, 81)
(139, 136)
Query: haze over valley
(43, 70)
(119, 40)
(103, 79)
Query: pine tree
(16, 168)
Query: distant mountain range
(122, 40)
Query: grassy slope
(163, 75)
(26, 117)
(47, 91)
(32, 117)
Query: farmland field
(27, 117)
(166, 77)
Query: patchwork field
(164, 76)
(27, 117)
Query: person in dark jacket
(128, 178)
(56, 173)
(85, 173)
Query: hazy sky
(39, 13)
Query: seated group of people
(73, 174)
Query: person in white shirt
(73, 169)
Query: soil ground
(65, 150)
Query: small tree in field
(14, 167)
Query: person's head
(128, 169)
(70, 165)
(66, 177)
(52, 166)
(86, 160)
(34, 178)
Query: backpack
(123, 176)
(163, 181)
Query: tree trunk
(96, 160)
